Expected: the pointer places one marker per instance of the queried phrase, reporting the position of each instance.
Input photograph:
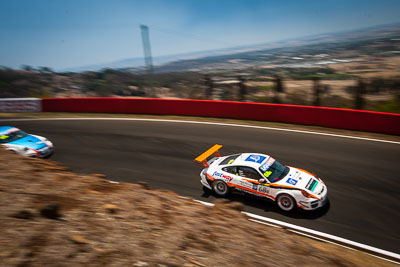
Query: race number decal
(267, 173)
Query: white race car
(263, 176)
(14, 139)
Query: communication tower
(146, 48)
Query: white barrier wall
(20, 105)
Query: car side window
(231, 169)
(248, 172)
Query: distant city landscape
(358, 69)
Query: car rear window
(229, 160)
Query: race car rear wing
(203, 157)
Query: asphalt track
(363, 177)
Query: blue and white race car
(263, 176)
(18, 141)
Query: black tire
(220, 188)
(286, 202)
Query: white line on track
(269, 224)
(214, 123)
(376, 252)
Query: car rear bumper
(204, 180)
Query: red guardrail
(368, 121)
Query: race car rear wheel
(220, 188)
(286, 202)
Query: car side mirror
(262, 180)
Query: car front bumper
(45, 152)
(40, 153)
(312, 203)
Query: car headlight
(48, 142)
(306, 194)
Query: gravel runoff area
(53, 217)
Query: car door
(252, 176)
(247, 179)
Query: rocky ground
(52, 217)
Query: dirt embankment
(52, 217)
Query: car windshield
(273, 170)
(7, 137)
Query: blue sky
(69, 33)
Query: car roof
(250, 159)
(5, 128)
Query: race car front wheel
(286, 202)
(220, 188)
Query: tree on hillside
(28, 68)
(360, 90)
(209, 84)
(242, 88)
(278, 88)
(45, 70)
(317, 91)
